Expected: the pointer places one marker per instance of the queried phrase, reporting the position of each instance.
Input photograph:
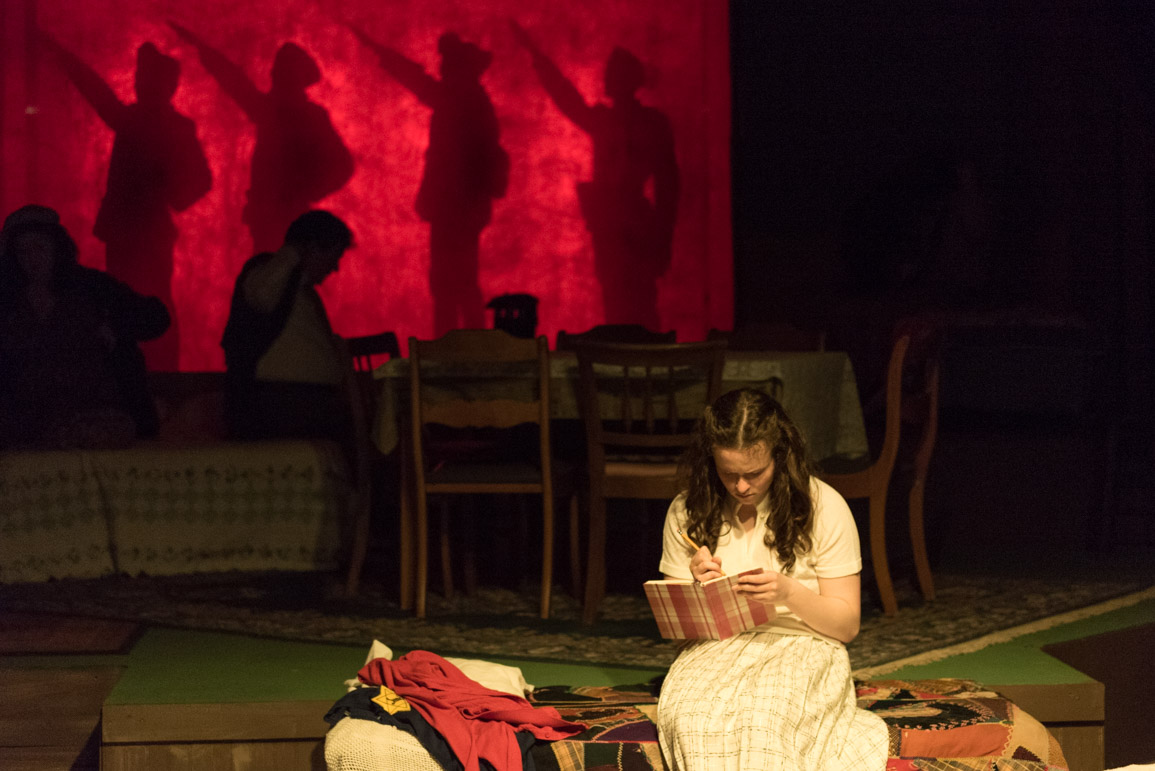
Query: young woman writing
(780, 696)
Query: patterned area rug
(503, 622)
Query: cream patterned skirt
(764, 701)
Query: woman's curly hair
(741, 420)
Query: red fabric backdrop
(55, 150)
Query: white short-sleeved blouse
(834, 551)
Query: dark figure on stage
(71, 372)
(157, 166)
(285, 369)
(299, 158)
(633, 145)
(465, 169)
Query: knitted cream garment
(354, 744)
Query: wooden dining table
(817, 389)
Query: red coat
(476, 722)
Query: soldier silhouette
(633, 146)
(157, 166)
(299, 158)
(465, 169)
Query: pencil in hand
(693, 545)
(688, 539)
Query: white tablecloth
(818, 391)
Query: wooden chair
(449, 473)
(362, 393)
(920, 421)
(368, 352)
(614, 333)
(870, 478)
(638, 404)
(366, 348)
(774, 336)
(911, 398)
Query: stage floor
(179, 699)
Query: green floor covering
(178, 666)
(174, 666)
(1022, 661)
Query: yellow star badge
(389, 701)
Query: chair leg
(918, 540)
(546, 553)
(407, 495)
(878, 553)
(446, 565)
(421, 580)
(360, 546)
(468, 557)
(596, 565)
(575, 549)
(521, 525)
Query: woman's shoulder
(827, 501)
(678, 506)
(819, 487)
(834, 532)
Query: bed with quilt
(933, 724)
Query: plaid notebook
(687, 610)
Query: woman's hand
(704, 566)
(768, 587)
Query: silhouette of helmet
(462, 58)
(294, 68)
(625, 73)
(157, 75)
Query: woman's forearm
(834, 610)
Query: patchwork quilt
(936, 725)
